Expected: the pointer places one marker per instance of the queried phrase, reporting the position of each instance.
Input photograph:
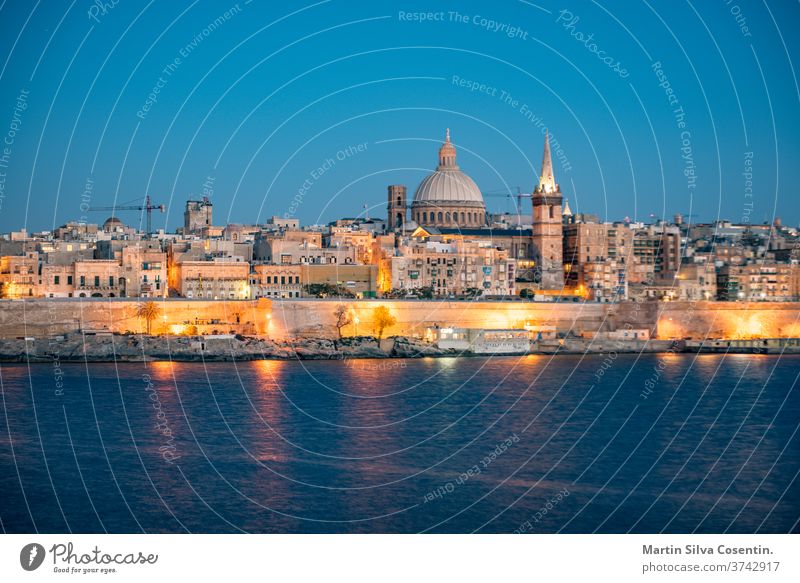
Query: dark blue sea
(650, 443)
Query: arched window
(440, 216)
(425, 217)
(447, 217)
(462, 217)
(551, 211)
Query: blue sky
(312, 109)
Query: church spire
(547, 182)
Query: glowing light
(267, 370)
(669, 330)
(750, 327)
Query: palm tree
(148, 312)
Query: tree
(425, 293)
(324, 290)
(472, 292)
(344, 316)
(382, 319)
(148, 312)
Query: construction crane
(147, 207)
(519, 195)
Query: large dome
(447, 197)
(448, 185)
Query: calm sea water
(673, 443)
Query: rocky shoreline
(140, 348)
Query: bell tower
(396, 207)
(547, 224)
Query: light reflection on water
(357, 445)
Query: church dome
(448, 185)
(113, 224)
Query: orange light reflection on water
(269, 373)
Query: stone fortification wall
(316, 319)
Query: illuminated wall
(316, 318)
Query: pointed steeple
(447, 153)
(547, 182)
(567, 212)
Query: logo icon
(31, 556)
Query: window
(111, 280)
(69, 280)
(56, 280)
(96, 281)
(83, 281)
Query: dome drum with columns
(447, 197)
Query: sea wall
(52, 317)
(698, 320)
(310, 318)
(317, 319)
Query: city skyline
(133, 213)
(229, 96)
(351, 267)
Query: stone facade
(315, 318)
(547, 225)
(220, 279)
